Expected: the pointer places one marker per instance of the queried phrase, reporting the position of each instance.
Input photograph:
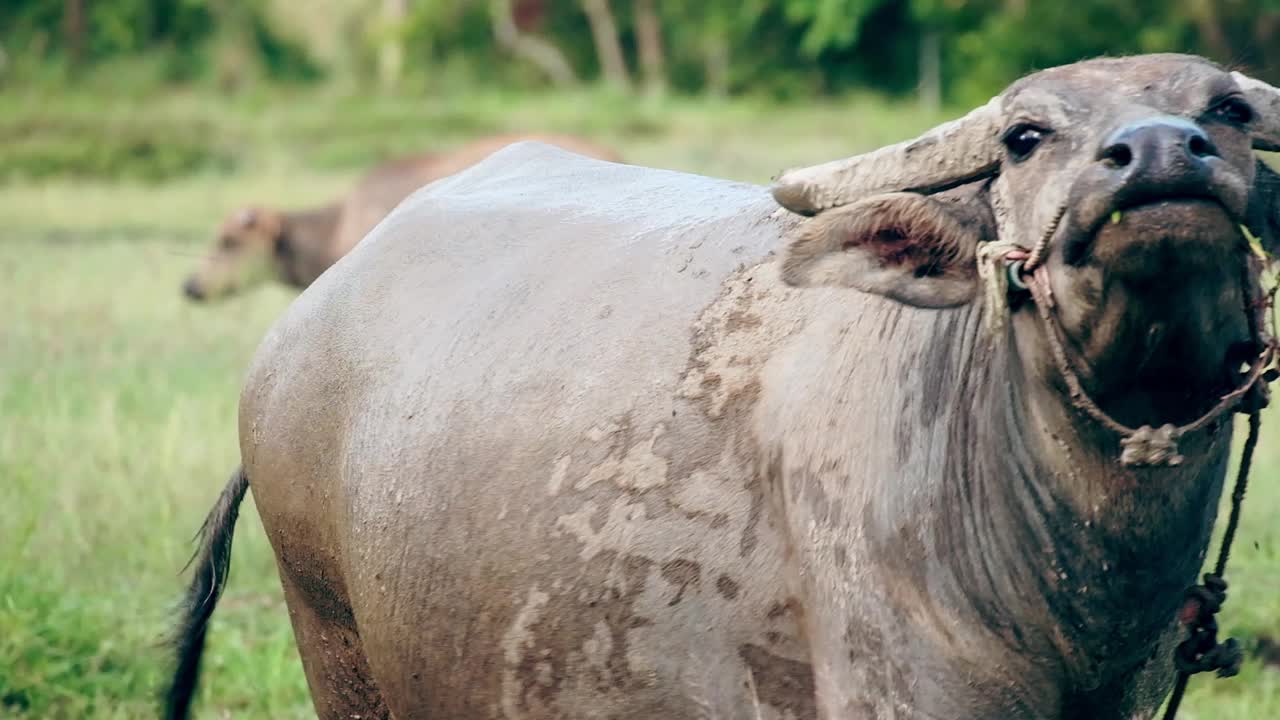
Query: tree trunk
(716, 64)
(1266, 35)
(931, 71)
(73, 30)
(604, 31)
(391, 49)
(649, 46)
(232, 62)
(529, 48)
(1209, 28)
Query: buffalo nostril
(1117, 155)
(1200, 147)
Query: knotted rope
(996, 271)
(1201, 651)
(1145, 446)
(1003, 262)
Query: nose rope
(1037, 252)
(1005, 262)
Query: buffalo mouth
(194, 290)
(1166, 236)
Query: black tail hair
(212, 561)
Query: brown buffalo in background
(256, 244)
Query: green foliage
(285, 59)
(179, 31)
(776, 48)
(830, 24)
(89, 149)
(111, 27)
(989, 44)
(452, 44)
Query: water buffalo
(573, 439)
(257, 244)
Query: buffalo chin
(1170, 322)
(1165, 239)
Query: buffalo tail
(212, 561)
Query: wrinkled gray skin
(559, 441)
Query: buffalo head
(1130, 181)
(244, 255)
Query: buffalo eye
(1022, 140)
(1233, 110)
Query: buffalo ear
(1264, 208)
(916, 249)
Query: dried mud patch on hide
(575, 640)
(633, 463)
(731, 342)
(734, 337)
(784, 684)
(678, 464)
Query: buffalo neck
(1078, 536)
(998, 520)
(304, 249)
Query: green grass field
(118, 398)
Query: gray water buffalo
(258, 244)
(574, 439)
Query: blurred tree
(1239, 33)
(604, 32)
(830, 24)
(391, 52)
(703, 33)
(73, 30)
(931, 70)
(233, 64)
(648, 29)
(541, 53)
(721, 24)
(281, 57)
